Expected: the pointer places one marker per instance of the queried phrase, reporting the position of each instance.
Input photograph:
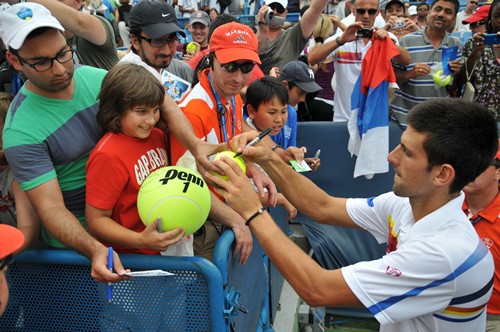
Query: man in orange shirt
(482, 207)
(215, 109)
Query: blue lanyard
(221, 110)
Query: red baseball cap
(234, 41)
(11, 239)
(480, 14)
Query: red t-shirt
(116, 168)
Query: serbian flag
(369, 122)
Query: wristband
(253, 216)
(277, 146)
(338, 41)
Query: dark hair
(462, 134)
(490, 14)
(126, 85)
(422, 5)
(205, 62)
(264, 90)
(455, 2)
(136, 31)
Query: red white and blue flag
(369, 122)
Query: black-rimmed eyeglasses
(362, 11)
(5, 262)
(46, 64)
(158, 42)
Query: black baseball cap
(154, 17)
(398, 2)
(300, 74)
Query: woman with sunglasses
(483, 64)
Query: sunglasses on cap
(5, 262)
(232, 67)
(476, 24)
(362, 11)
(277, 7)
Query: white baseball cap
(284, 3)
(412, 10)
(19, 20)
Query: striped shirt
(421, 88)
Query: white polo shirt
(437, 274)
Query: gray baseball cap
(155, 17)
(200, 17)
(300, 74)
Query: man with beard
(415, 80)
(154, 40)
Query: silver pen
(316, 156)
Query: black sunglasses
(277, 7)
(362, 11)
(232, 67)
(6, 261)
(476, 24)
(474, 2)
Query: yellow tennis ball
(191, 48)
(440, 79)
(230, 154)
(178, 195)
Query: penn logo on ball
(178, 195)
(230, 154)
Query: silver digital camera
(271, 19)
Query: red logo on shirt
(392, 271)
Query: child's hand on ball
(152, 239)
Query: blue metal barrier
(51, 290)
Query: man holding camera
(348, 50)
(415, 80)
(396, 20)
(277, 46)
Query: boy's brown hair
(125, 86)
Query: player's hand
(237, 191)
(256, 153)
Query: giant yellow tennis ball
(230, 154)
(440, 79)
(178, 195)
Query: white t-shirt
(437, 277)
(347, 61)
(188, 4)
(460, 17)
